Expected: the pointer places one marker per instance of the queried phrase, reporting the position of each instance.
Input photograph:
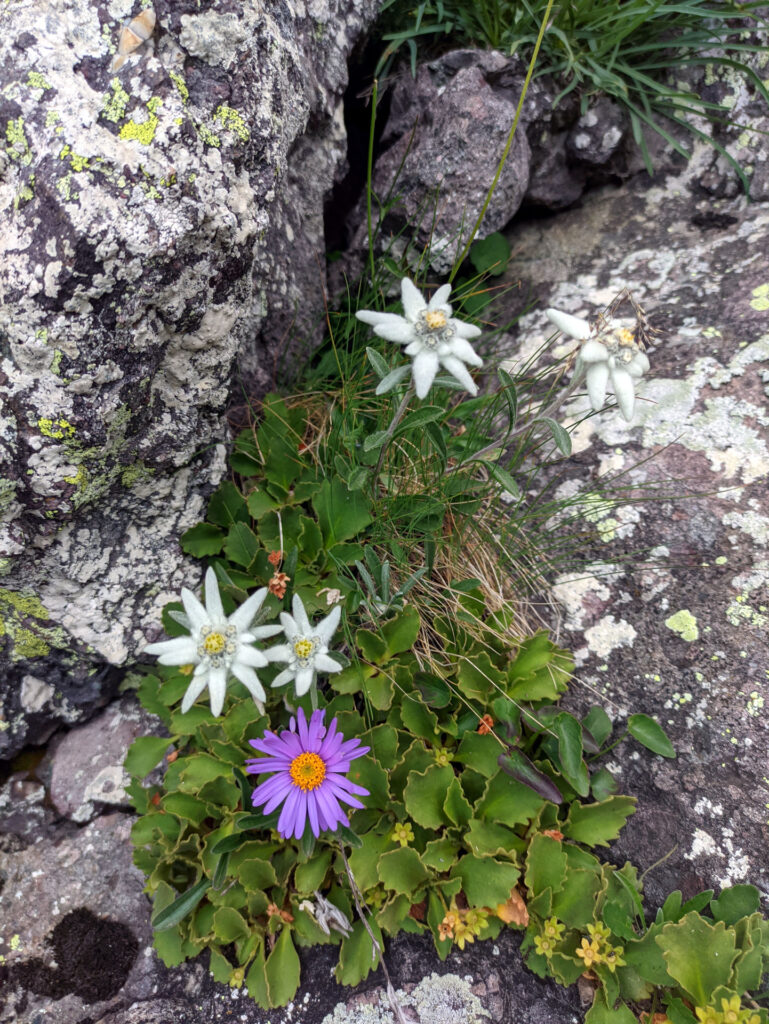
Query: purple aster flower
(309, 764)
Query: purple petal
(312, 813)
(278, 785)
(288, 814)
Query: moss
(232, 121)
(21, 618)
(57, 429)
(36, 81)
(144, 132)
(18, 145)
(685, 624)
(181, 85)
(114, 107)
(134, 474)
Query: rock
(86, 764)
(669, 616)
(598, 134)
(143, 210)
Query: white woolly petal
(327, 627)
(411, 297)
(596, 377)
(465, 330)
(399, 333)
(638, 365)
(250, 656)
(414, 348)
(622, 383)
(300, 616)
(289, 625)
(217, 687)
(569, 324)
(213, 597)
(423, 370)
(463, 350)
(440, 299)
(594, 352)
(303, 681)
(194, 690)
(283, 677)
(175, 659)
(196, 613)
(182, 647)
(325, 664)
(458, 369)
(263, 632)
(242, 617)
(250, 680)
(280, 652)
(370, 316)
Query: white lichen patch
(580, 593)
(437, 999)
(609, 634)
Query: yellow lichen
(57, 429)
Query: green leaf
(393, 379)
(375, 440)
(478, 678)
(181, 906)
(545, 865)
(518, 766)
(440, 854)
(601, 1013)
(491, 254)
(229, 925)
(183, 805)
(402, 871)
(282, 970)
(201, 540)
(401, 632)
(341, 513)
(734, 903)
(560, 436)
(479, 752)
(219, 966)
(645, 957)
(575, 903)
(597, 824)
(367, 772)
(508, 801)
(256, 874)
(603, 784)
(378, 363)
(569, 733)
(419, 417)
(309, 877)
(259, 502)
(511, 396)
(505, 481)
(650, 734)
(486, 882)
(364, 860)
(242, 545)
(455, 806)
(256, 981)
(227, 506)
(418, 719)
(357, 955)
(598, 724)
(425, 794)
(698, 955)
(146, 752)
(487, 839)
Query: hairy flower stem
(357, 896)
(391, 429)
(508, 144)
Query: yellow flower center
(303, 648)
(435, 319)
(624, 336)
(307, 771)
(214, 643)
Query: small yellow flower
(449, 923)
(599, 932)
(237, 977)
(476, 920)
(462, 934)
(590, 953)
(544, 946)
(707, 1015)
(403, 833)
(613, 957)
(442, 756)
(553, 929)
(730, 1010)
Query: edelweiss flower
(218, 646)
(307, 649)
(309, 764)
(611, 353)
(431, 335)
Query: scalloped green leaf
(597, 824)
(486, 882)
(402, 871)
(425, 793)
(698, 955)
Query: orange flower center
(307, 771)
(214, 643)
(435, 319)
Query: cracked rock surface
(151, 230)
